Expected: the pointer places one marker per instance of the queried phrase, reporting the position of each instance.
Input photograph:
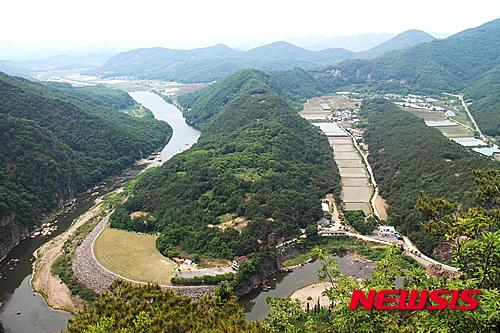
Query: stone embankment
(88, 270)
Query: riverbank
(57, 294)
(312, 294)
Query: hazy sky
(93, 21)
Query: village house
(237, 262)
(177, 260)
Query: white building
(386, 231)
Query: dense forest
(256, 159)
(407, 156)
(57, 140)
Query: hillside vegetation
(256, 158)
(55, 142)
(484, 93)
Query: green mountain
(256, 159)
(355, 43)
(58, 140)
(403, 40)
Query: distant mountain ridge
(444, 65)
(356, 43)
(403, 40)
(213, 63)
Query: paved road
(411, 249)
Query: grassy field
(135, 111)
(426, 115)
(133, 256)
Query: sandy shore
(315, 291)
(55, 292)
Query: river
(15, 290)
(283, 284)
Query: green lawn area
(339, 244)
(133, 256)
(135, 111)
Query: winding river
(15, 290)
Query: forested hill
(484, 94)
(256, 159)
(408, 156)
(55, 142)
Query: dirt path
(55, 292)
(381, 207)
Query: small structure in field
(332, 233)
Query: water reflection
(27, 312)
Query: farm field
(456, 132)
(354, 182)
(448, 131)
(364, 206)
(337, 101)
(312, 109)
(335, 141)
(350, 164)
(133, 256)
(345, 155)
(427, 115)
(357, 194)
(137, 111)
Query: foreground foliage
(476, 233)
(127, 308)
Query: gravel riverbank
(90, 272)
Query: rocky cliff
(268, 267)
(12, 233)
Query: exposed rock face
(12, 232)
(268, 267)
(287, 251)
(445, 250)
